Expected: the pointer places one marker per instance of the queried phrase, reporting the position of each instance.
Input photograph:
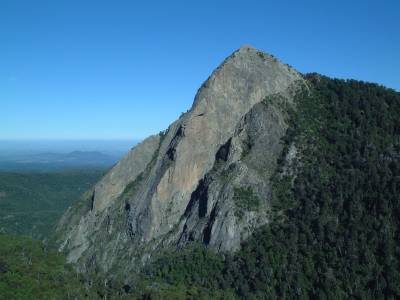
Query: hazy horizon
(32, 146)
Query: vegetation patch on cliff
(245, 200)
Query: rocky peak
(247, 63)
(171, 190)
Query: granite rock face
(206, 178)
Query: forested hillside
(335, 217)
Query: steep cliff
(207, 178)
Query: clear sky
(79, 69)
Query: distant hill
(51, 161)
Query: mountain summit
(205, 179)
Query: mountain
(273, 185)
(203, 179)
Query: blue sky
(126, 69)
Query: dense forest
(31, 203)
(29, 270)
(335, 226)
(334, 230)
